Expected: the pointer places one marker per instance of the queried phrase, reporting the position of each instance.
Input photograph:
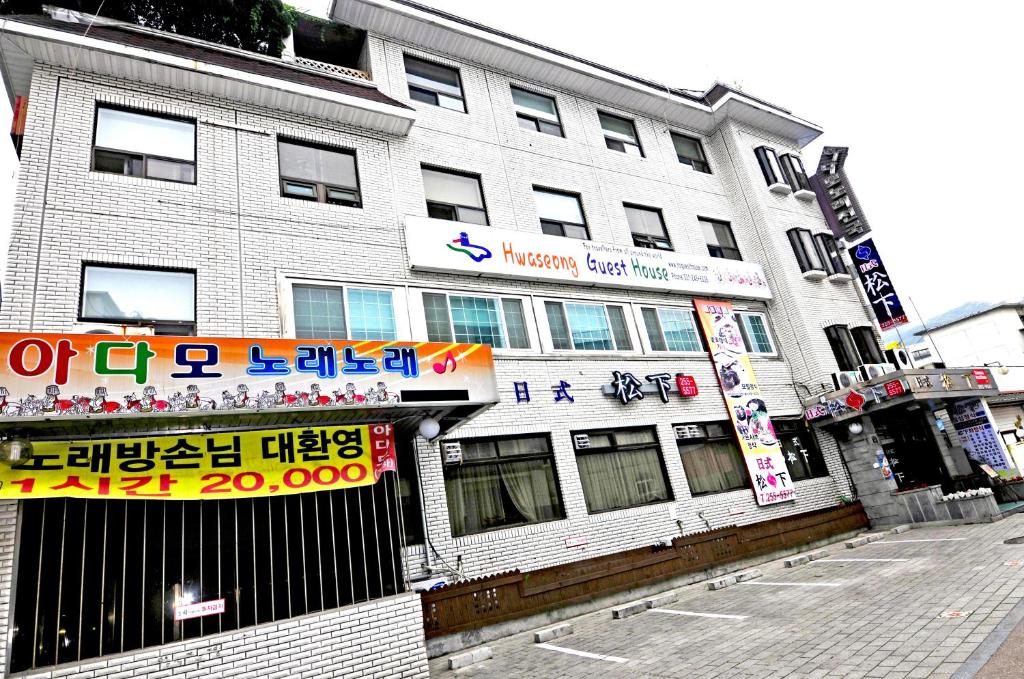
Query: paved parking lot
(874, 611)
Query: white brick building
(255, 251)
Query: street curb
(465, 659)
(984, 652)
(546, 635)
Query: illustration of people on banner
(747, 408)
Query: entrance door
(910, 447)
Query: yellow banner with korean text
(208, 466)
(747, 409)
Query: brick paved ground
(882, 619)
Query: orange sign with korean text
(209, 466)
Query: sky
(911, 87)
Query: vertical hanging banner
(877, 286)
(747, 410)
(979, 434)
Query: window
(867, 345)
(720, 240)
(620, 468)
(830, 255)
(672, 329)
(843, 348)
(620, 134)
(769, 163)
(318, 173)
(560, 214)
(807, 255)
(100, 577)
(336, 312)
(754, 329)
(536, 112)
(144, 145)
(587, 327)
(502, 482)
(803, 458)
(162, 298)
(648, 227)
(499, 322)
(434, 84)
(793, 171)
(690, 152)
(712, 459)
(454, 196)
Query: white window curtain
(619, 479)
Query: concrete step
(722, 583)
(626, 610)
(478, 654)
(662, 600)
(546, 635)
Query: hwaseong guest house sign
(438, 245)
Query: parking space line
(583, 654)
(762, 583)
(834, 560)
(700, 615)
(890, 542)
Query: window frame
(629, 447)
(644, 331)
(830, 257)
(417, 309)
(768, 161)
(844, 339)
(605, 133)
(458, 76)
(661, 218)
(796, 242)
(321, 189)
(700, 146)
(794, 173)
(798, 429)
(729, 434)
(748, 345)
(542, 220)
(286, 294)
(865, 342)
(158, 324)
(728, 225)
(548, 341)
(457, 173)
(550, 455)
(522, 114)
(145, 157)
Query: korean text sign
(47, 375)
(877, 286)
(205, 466)
(747, 409)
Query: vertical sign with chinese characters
(747, 410)
(877, 286)
(978, 434)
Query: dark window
(409, 490)
(162, 298)
(803, 457)
(620, 134)
(690, 152)
(499, 322)
(769, 163)
(502, 482)
(843, 348)
(587, 327)
(102, 577)
(793, 171)
(867, 345)
(830, 255)
(144, 145)
(454, 196)
(711, 458)
(806, 251)
(434, 84)
(647, 227)
(318, 173)
(560, 214)
(536, 112)
(754, 329)
(672, 329)
(620, 468)
(720, 240)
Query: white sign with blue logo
(439, 245)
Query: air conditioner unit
(112, 329)
(899, 358)
(872, 370)
(452, 451)
(581, 441)
(845, 379)
(688, 431)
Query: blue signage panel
(875, 279)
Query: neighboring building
(181, 188)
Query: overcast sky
(914, 89)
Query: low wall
(926, 505)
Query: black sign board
(877, 286)
(836, 198)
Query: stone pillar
(860, 451)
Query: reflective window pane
(319, 312)
(680, 330)
(146, 134)
(515, 324)
(371, 315)
(558, 207)
(645, 221)
(435, 307)
(476, 320)
(589, 326)
(557, 325)
(138, 294)
(536, 103)
(452, 188)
